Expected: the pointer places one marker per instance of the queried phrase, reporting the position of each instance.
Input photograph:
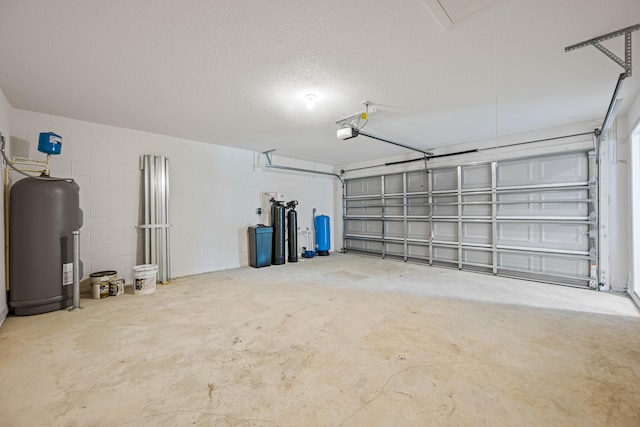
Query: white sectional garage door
(532, 218)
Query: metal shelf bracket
(268, 154)
(595, 42)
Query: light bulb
(311, 100)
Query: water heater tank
(42, 216)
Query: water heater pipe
(76, 271)
(29, 162)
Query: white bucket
(144, 279)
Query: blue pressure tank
(323, 235)
(50, 143)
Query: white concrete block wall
(214, 192)
(5, 128)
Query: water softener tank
(292, 233)
(278, 225)
(42, 217)
(323, 235)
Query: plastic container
(116, 287)
(144, 279)
(100, 283)
(260, 241)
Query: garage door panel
(418, 230)
(445, 179)
(354, 227)
(355, 244)
(556, 207)
(565, 236)
(418, 206)
(394, 207)
(418, 251)
(363, 186)
(561, 169)
(393, 183)
(417, 181)
(364, 207)
(476, 232)
(364, 245)
(445, 231)
(476, 205)
(514, 173)
(445, 206)
(567, 267)
(477, 176)
(370, 228)
(479, 257)
(394, 229)
(557, 169)
(573, 237)
(396, 249)
(516, 234)
(544, 264)
(445, 254)
(559, 203)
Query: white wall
(633, 124)
(633, 114)
(614, 199)
(5, 114)
(634, 195)
(214, 192)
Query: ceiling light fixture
(310, 100)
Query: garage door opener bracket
(595, 42)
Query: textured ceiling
(235, 72)
(451, 12)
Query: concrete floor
(341, 340)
